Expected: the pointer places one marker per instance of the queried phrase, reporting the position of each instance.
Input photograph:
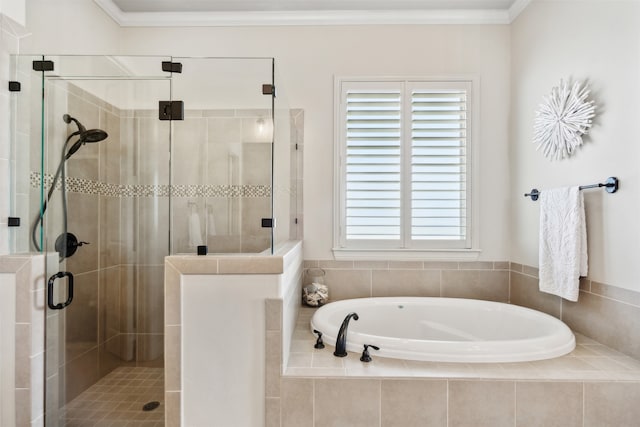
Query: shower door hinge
(268, 89)
(172, 67)
(268, 222)
(42, 65)
(171, 110)
(14, 86)
(13, 221)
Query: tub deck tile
(590, 361)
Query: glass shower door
(105, 229)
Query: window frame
(388, 250)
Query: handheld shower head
(91, 135)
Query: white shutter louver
(404, 158)
(438, 164)
(373, 159)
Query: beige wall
(68, 27)
(598, 42)
(14, 9)
(310, 57)
(517, 65)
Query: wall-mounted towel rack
(610, 186)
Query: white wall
(223, 325)
(594, 40)
(598, 42)
(69, 27)
(14, 9)
(310, 57)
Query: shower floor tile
(117, 400)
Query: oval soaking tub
(446, 329)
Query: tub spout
(341, 339)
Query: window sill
(406, 254)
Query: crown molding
(516, 9)
(11, 27)
(292, 18)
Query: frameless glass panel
(25, 148)
(221, 156)
(110, 66)
(106, 226)
(287, 165)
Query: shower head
(91, 135)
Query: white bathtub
(446, 329)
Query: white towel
(195, 234)
(563, 242)
(211, 223)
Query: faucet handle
(319, 343)
(365, 353)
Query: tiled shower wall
(221, 181)
(603, 312)
(296, 187)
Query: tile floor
(117, 400)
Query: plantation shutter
(404, 164)
(439, 164)
(373, 159)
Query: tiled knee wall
(308, 402)
(605, 313)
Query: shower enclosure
(119, 161)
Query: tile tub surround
(608, 314)
(592, 386)
(603, 312)
(485, 280)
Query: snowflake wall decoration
(562, 119)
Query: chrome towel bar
(610, 186)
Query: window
(404, 160)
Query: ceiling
(310, 12)
(306, 5)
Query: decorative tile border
(87, 186)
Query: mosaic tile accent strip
(226, 191)
(87, 186)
